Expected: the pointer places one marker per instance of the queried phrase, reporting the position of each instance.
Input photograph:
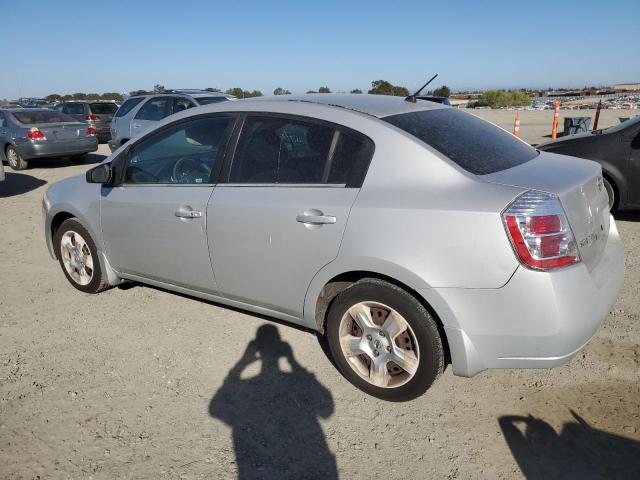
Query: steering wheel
(187, 170)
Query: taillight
(539, 231)
(93, 117)
(91, 132)
(35, 134)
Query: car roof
(375, 105)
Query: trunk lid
(62, 131)
(578, 185)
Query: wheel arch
(319, 302)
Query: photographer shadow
(579, 451)
(274, 415)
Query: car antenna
(412, 98)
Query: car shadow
(18, 183)
(274, 414)
(627, 216)
(58, 162)
(579, 451)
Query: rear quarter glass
(128, 105)
(473, 144)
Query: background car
(26, 134)
(431, 98)
(617, 150)
(97, 114)
(139, 113)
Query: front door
(633, 193)
(154, 222)
(282, 214)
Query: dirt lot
(140, 383)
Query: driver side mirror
(102, 174)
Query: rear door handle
(136, 125)
(315, 219)
(187, 213)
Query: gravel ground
(141, 383)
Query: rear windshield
(103, 108)
(208, 100)
(474, 144)
(30, 117)
(127, 106)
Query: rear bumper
(537, 320)
(58, 149)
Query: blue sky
(55, 46)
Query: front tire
(384, 341)
(16, 162)
(78, 257)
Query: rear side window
(103, 108)
(31, 117)
(350, 159)
(74, 108)
(154, 109)
(474, 144)
(127, 106)
(280, 150)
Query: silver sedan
(29, 133)
(405, 231)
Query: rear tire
(15, 161)
(78, 257)
(398, 353)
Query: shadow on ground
(18, 183)
(92, 159)
(579, 451)
(274, 414)
(628, 216)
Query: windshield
(30, 117)
(103, 108)
(473, 144)
(623, 125)
(208, 100)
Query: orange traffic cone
(516, 125)
(554, 126)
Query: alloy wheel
(76, 257)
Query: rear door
(153, 110)
(154, 222)
(281, 216)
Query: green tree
(281, 91)
(54, 97)
(442, 91)
(67, 97)
(382, 87)
(111, 96)
(213, 89)
(138, 92)
(236, 92)
(159, 88)
(356, 90)
(502, 99)
(79, 96)
(93, 96)
(324, 90)
(311, 91)
(254, 93)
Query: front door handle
(315, 218)
(187, 213)
(136, 125)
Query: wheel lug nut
(376, 353)
(381, 333)
(368, 337)
(389, 349)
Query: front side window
(182, 154)
(280, 150)
(473, 144)
(155, 109)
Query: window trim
(235, 137)
(122, 160)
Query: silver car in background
(405, 232)
(96, 114)
(140, 113)
(30, 133)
